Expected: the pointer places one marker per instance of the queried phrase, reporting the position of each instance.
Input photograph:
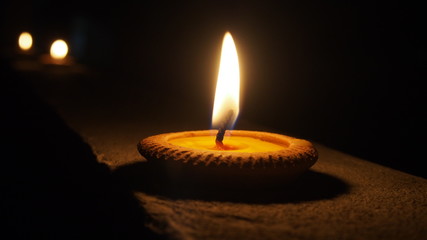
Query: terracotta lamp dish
(246, 157)
(224, 158)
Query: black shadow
(52, 186)
(309, 186)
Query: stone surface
(340, 197)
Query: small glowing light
(25, 41)
(228, 84)
(59, 49)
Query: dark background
(346, 74)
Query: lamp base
(182, 165)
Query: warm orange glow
(25, 41)
(228, 85)
(234, 143)
(59, 49)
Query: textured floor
(73, 170)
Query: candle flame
(59, 49)
(25, 41)
(226, 104)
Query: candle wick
(222, 129)
(220, 135)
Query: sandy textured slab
(341, 197)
